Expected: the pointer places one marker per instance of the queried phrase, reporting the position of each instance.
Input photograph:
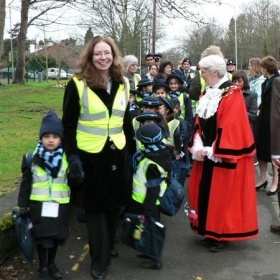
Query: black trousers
(102, 229)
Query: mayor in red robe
(222, 183)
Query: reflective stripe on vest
(94, 124)
(47, 188)
(139, 190)
(136, 125)
(172, 125)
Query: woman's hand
(200, 155)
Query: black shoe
(54, 272)
(44, 274)
(217, 246)
(263, 185)
(275, 229)
(114, 253)
(269, 193)
(98, 275)
(152, 264)
(207, 241)
(143, 256)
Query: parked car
(5, 72)
(53, 73)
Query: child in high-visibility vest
(44, 194)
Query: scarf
(145, 151)
(175, 94)
(52, 160)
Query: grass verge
(21, 110)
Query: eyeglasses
(100, 54)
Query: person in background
(98, 141)
(149, 61)
(231, 66)
(275, 138)
(43, 187)
(130, 69)
(188, 72)
(240, 79)
(153, 71)
(269, 68)
(157, 58)
(222, 182)
(151, 162)
(144, 89)
(164, 70)
(255, 77)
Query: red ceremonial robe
(223, 193)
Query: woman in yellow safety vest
(98, 137)
(44, 194)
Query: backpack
(29, 158)
(173, 196)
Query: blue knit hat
(51, 124)
(150, 133)
(176, 74)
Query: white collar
(209, 102)
(224, 79)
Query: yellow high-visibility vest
(95, 124)
(139, 190)
(47, 188)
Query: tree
(2, 24)
(41, 7)
(200, 37)
(89, 35)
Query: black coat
(107, 184)
(263, 126)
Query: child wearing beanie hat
(151, 162)
(44, 194)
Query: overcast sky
(175, 28)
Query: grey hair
(212, 50)
(128, 60)
(214, 63)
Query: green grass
(22, 108)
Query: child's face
(163, 110)
(161, 92)
(51, 141)
(176, 109)
(174, 85)
(148, 88)
(152, 108)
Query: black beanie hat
(51, 124)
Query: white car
(53, 73)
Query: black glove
(75, 169)
(24, 212)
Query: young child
(44, 194)
(175, 82)
(151, 162)
(161, 89)
(144, 88)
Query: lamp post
(12, 52)
(235, 35)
